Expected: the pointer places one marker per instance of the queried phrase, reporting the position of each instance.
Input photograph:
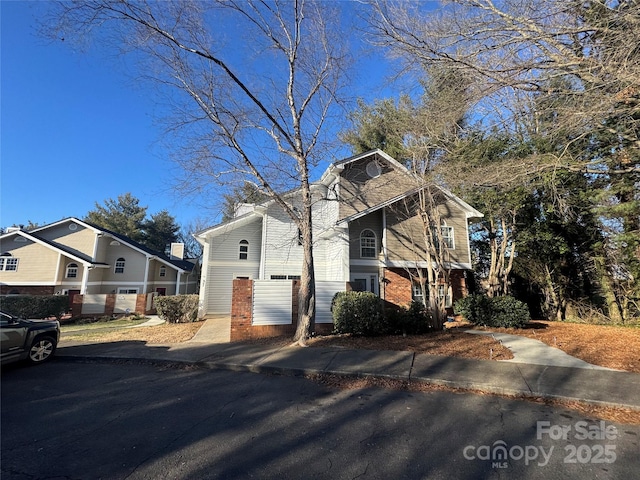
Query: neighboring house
(74, 257)
(365, 232)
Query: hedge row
(35, 306)
(361, 313)
(503, 311)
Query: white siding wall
(324, 294)
(223, 265)
(271, 302)
(283, 255)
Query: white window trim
(243, 244)
(117, 265)
(368, 238)
(7, 261)
(71, 266)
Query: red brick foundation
(26, 290)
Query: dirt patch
(158, 334)
(450, 343)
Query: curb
(470, 387)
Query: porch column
(85, 279)
(178, 282)
(146, 275)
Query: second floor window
(163, 271)
(368, 244)
(72, 270)
(243, 250)
(8, 263)
(119, 266)
(447, 237)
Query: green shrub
(36, 306)
(508, 312)
(474, 308)
(177, 308)
(414, 320)
(503, 311)
(359, 313)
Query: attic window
(373, 169)
(73, 227)
(243, 250)
(20, 239)
(119, 265)
(114, 243)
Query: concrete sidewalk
(593, 386)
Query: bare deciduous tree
(586, 52)
(248, 102)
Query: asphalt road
(139, 421)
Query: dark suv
(33, 340)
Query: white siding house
(351, 204)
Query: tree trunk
(307, 292)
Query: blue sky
(76, 131)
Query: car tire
(41, 349)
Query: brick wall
(397, 286)
(110, 305)
(242, 308)
(26, 290)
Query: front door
(72, 293)
(161, 291)
(365, 282)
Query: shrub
(508, 312)
(503, 311)
(36, 306)
(474, 308)
(177, 308)
(359, 313)
(414, 320)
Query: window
(278, 277)
(416, 292)
(8, 263)
(125, 291)
(119, 266)
(72, 270)
(243, 252)
(445, 293)
(447, 236)
(163, 271)
(368, 244)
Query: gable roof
(182, 265)
(327, 178)
(84, 259)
